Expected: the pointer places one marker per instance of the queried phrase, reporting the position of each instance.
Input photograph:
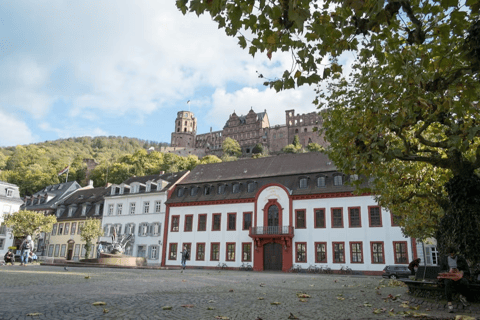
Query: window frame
(350, 217)
(119, 209)
(219, 222)
(405, 243)
(335, 182)
(370, 217)
(243, 224)
(133, 206)
(333, 220)
(303, 183)
(319, 179)
(227, 251)
(185, 223)
(296, 251)
(175, 227)
(297, 225)
(146, 207)
(373, 254)
(333, 251)
(211, 251)
(172, 254)
(158, 206)
(199, 224)
(197, 251)
(326, 253)
(249, 252)
(236, 187)
(230, 214)
(316, 220)
(361, 251)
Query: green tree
(291, 148)
(315, 147)
(210, 159)
(257, 149)
(91, 229)
(411, 97)
(24, 223)
(231, 148)
(296, 142)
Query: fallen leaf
(87, 277)
(222, 317)
(340, 298)
(211, 308)
(460, 317)
(105, 310)
(211, 301)
(291, 316)
(188, 306)
(310, 286)
(366, 304)
(167, 308)
(275, 303)
(261, 298)
(415, 308)
(302, 295)
(231, 290)
(184, 280)
(34, 314)
(99, 303)
(303, 300)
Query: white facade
(10, 202)
(138, 208)
(364, 246)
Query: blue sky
(124, 68)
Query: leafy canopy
(231, 147)
(24, 223)
(90, 230)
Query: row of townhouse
(270, 212)
(10, 202)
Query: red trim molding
(208, 203)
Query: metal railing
(271, 230)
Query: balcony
(271, 232)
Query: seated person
(453, 263)
(9, 257)
(32, 257)
(414, 265)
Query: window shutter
(140, 230)
(149, 252)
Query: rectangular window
(132, 208)
(155, 229)
(232, 221)
(172, 254)
(337, 217)
(62, 250)
(378, 254)
(247, 252)
(141, 252)
(80, 226)
(110, 209)
(338, 252)
(175, 223)
(50, 250)
(74, 228)
(356, 252)
(202, 222)
(84, 210)
(67, 228)
(188, 222)
(300, 219)
(143, 229)
(119, 209)
(57, 250)
(216, 221)
(215, 252)
(200, 251)
(158, 206)
(146, 207)
(320, 218)
(375, 216)
(247, 220)
(230, 251)
(400, 250)
(154, 252)
(354, 218)
(320, 252)
(77, 250)
(301, 252)
(60, 229)
(54, 229)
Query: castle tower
(185, 130)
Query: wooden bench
(426, 285)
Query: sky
(125, 68)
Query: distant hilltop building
(248, 130)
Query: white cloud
(13, 131)
(73, 131)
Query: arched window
(338, 180)
(236, 188)
(321, 182)
(207, 190)
(180, 192)
(193, 191)
(303, 183)
(221, 189)
(251, 186)
(273, 216)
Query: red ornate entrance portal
(272, 241)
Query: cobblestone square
(48, 292)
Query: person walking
(185, 256)
(99, 250)
(26, 247)
(452, 263)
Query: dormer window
(207, 190)
(193, 191)
(180, 192)
(338, 180)
(60, 187)
(159, 185)
(236, 188)
(121, 190)
(354, 177)
(84, 210)
(148, 186)
(251, 187)
(70, 212)
(97, 209)
(221, 189)
(320, 182)
(9, 192)
(303, 183)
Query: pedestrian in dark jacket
(9, 257)
(453, 263)
(413, 265)
(185, 256)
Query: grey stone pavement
(49, 292)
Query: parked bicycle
(296, 268)
(222, 265)
(246, 267)
(346, 270)
(325, 270)
(313, 269)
